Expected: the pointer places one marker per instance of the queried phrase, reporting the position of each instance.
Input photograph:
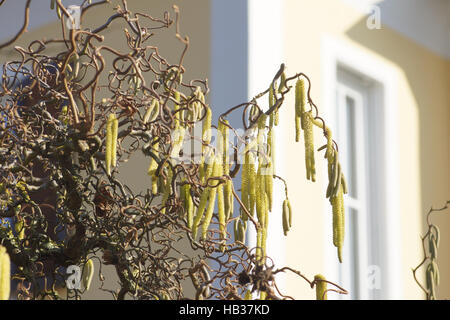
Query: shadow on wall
(428, 76)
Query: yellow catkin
(212, 201)
(260, 200)
(229, 199)
(152, 170)
(221, 201)
(321, 287)
(206, 126)
(238, 234)
(203, 201)
(299, 107)
(271, 103)
(282, 85)
(178, 114)
(260, 193)
(5, 274)
(271, 97)
(262, 295)
(188, 204)
(251, 173)
(261, 211)
(270, 166)
(109, 142)
(248, 295)
(58, 12)
(206, 133)
(228, 187)
(152, 111)
(179, 131)
(297, 129)
(285, 217)
(301, 96)
(88, 274)
(309, 147)
(276, 114)
(114, 132)
(240, 228)
(269, 184)
(329, 142)
(167, 186)
(289, 213)
(261, 132)
(337, 203)
(200, 210)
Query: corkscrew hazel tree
(83, 112)
(430, 244)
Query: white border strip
(265, 55)
(246, 52)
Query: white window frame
(344, 53)
(359, 98)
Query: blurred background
(380, 73)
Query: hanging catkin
(109, 143)
(152, 170)
(309, 146)
(152, 112)
(167, 188)
(261, 212)
(88, 274)
(5, 274)
(188, 204)
(269, 168)
(321, 287)
(179, 131)
(299, 107)
(337, 203)
(228, 187)
(203, 200)
(178, 116)
(286, 217)
(114, 132)
(251, 174)
(212, 198)
(206, 126)
(221, 199)
(272, 118)
(261, 134)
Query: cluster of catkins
(432, 271)
(257, 169)
(337, 186)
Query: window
(361, 89)
(359, 133)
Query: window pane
(352, 242)
(351, 144)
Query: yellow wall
(424, 107)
